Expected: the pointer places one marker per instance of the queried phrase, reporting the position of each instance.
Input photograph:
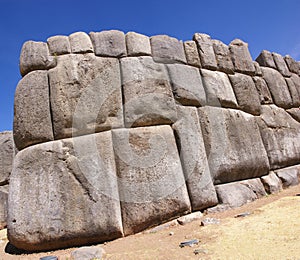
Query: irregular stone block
(246, 93)
(187, 85)
(281, 135)
(191, 53)
(258, 71)
(6, 156)
(59, 45)
(292, 64)
(271, 183)
(80, 43)
(150, 178)
(296, 80)
(85, 95)
(190, 218)
(233, 144)
(265, 59)
(32, 116)
(92, 253)
(289, 176)
(166, 49)
(295, 95)
(218, 89)
(241, 57)
(223, 57)
(263, 90)
(109, 43)
(206, 51)
(137, 44)
(35, 56)
(278, 87)
(281, 65)
(295, 113)
(65, 194)
(3, 205)
(148, 98)
(193, 158)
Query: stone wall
(117, 133)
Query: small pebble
(200, 251)
(241, 215)
(171, 233)
(210, 221)
(189, 243)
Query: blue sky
(272, 24)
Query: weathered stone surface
(193, 159)
(296, 79)
(85, 95)
(190, 218)
(223, 57)
(241, 57)
(80, 43)
(191, 53)
(265, 59)
(233, 145)
(272, 183)
(3, 206)
(281, 135)
(137, 44)
(295, 113)
(218, 89)
(65, 194)
(278, 87)
(289, 176)
(263, 90)
(246, 94)
(6, 156)
(59, 45)
(35, 56)
(109, 43)
(32, 117)
(166, 49)
(88, 253)
(258, 71)
(206, 51)
(281, 65)
(187, 85)
(292, 64)
(150, 178)
(148, 98)
(295, 95)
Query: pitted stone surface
(80, 43)
(6, 156)
(59, 45)
(271, 183)
(191, 53)
(263, 90)
(281, 65)
(137, 44)
(265, 59)
(223, 57)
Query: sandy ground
(272, 231)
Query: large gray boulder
(296, 80)
(80, 43)
(272, 183)
(150, 178)
(295, 94)
(137, 44)
(85, 95)
(263, 90)
(191, 53)
(59, 45)
(223, 57)
(32, 116)
(148, 97)
(265, 59)
(281, 65)
(234, 147)
(64, 193)
(6, 156)
(289, 176)
(3, 205)
(292, 64)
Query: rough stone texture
(65, 194)
(278, 87)
(265, 59)
(289, 176)
(59, 45)
(88, 253)
(206, 51)
(296, 79)
(166, 49)
(191, 53)
(281, 65)
(35, 56)
(295, 113)
(150, 178)
(190, 218)
(241, 57)
(32, 117)
(137, 44)
(218, 89)
(263, 90)
(258, 71)
(80, 43)
(187, 85)
(233, 145)
(295, 94)
(272, 183)
(292, 64)
(3, 206)
(85, 95)
(148, 98)
(223, 57)
(246, 94)
(193, 159)
(6, 156)
(109, 43)
(281, 135)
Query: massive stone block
(281, 65)
(64, 193)
(223, 57)
(6, 156)
(137, 44)
(295, 94)
(281, 135)
(187, 85)
(263, 90)
(234, 147)
(265, 59)
(272, 183)
(32, 117)
(85, 95)
(289, 176)
(218, 89)
(148, 98)
(193, 158)
(191, 53)
(295, 113)
(59, 45)
(80, 43)
(151, 182)
(3, 206)
(292, 64)
(258, 71)
(296, 80)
